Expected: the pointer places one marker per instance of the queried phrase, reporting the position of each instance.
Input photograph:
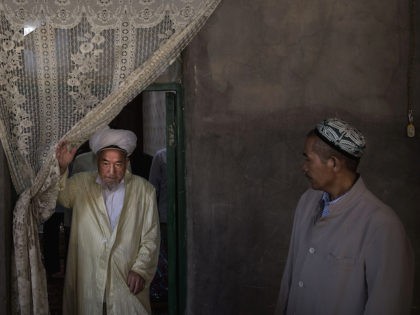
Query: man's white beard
(110, 185)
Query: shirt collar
(327, 199)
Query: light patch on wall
(154, 121)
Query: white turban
(124, 139)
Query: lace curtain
(67, 67)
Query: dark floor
(55, 293)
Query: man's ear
(331, 162)
(336, 163)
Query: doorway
(176, 215)
(169, 300)
(170, 96)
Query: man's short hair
(325, 151)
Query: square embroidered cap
(342, 136)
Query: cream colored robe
(99, 259)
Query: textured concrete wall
(257, 78)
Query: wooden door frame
(177, 228)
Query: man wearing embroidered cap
(114, 241)
(349, 253)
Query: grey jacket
(357, 260)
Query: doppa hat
(117, 138)
(342, 136)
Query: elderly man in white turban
(114, 241)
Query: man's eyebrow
(105, 160)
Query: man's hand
(135, 282)
(64, 155)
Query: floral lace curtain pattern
(67, 67)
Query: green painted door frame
(177, 229)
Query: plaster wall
(257, 78)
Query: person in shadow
(349, 252)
